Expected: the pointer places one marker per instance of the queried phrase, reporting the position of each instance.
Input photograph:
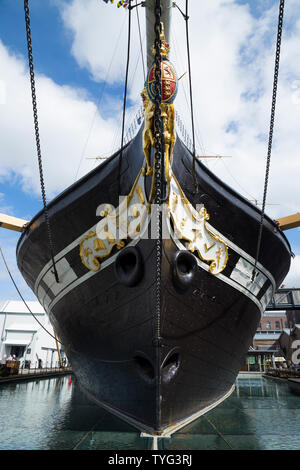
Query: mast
(166, 6)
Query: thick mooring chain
(157, 112)
(274, 95)
(158, 160)
(37, 134)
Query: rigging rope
(125, 94)
(274, 95)
(182, 86)
(45, 329)
(37, 136)
(105, 81)
(186, 17)
(13, 281)
(131, 79)
(140, 37)
(71, 349)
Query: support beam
(18, 225)
(291, 221)
(12, 223)
(58, 351)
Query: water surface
(53, 414)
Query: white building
(23, 336)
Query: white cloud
(232, 70)
(8, 241)
(232, 56)
(66, 119)
(99, 44)
(71, 128)
(4, 207)
(95, 27)
(293, 277)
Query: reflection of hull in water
(106, 318)
(294, 386)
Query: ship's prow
(159, 289)
(104, 307)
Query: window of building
(268, 325)
(277, 324)
(259, 325)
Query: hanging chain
(158, 156)
(21, 296)
(37, 135)
(274, 95)
(158, 160)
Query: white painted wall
(22, 335)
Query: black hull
(109, 329)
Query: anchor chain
(158, 157)
(37, 135)
(158, 161)
(273, 106)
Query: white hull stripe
(79, 280)
(230, 281)
(49, 292)
(240, 279)
(60, 256)
(246, 256)
(242, 274)
(48, 267)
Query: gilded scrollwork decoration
(190, 225)
(115, 227)
(132, 215)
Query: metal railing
(283, 373)
(285, 299)
(11, 369)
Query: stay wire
(125, 94)
(48, 332)
(179, 59)
(273, 106)
(17, 289)
(100, 98)
(37, 135)
(186, 17)
(140, 37)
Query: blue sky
(79, 49)
(52, 58)
(51, 44)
